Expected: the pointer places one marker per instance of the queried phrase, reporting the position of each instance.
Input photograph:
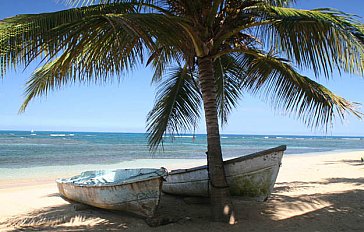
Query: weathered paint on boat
(136, 195)
(251, 176)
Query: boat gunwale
(230, 161)
(111, 184)
(227, 176)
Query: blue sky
(123, 106)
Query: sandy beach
(316, 192)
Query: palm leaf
(275, 80)
(322, 40)
(93, 2)
(41, 82)
(275, 2)
(163, 58)
(25, 37)
(177, 107)
(87, 58)
(228, 86)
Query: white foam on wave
(57, 135)
(61, 135)
(351, 139)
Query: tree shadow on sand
(317, 212)
(343, 211)
(357, 162)
(337, 211)
(283, 187)
(65, 218)
(78, 217)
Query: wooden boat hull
(252, 176)
(140, 198)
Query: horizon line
(191, 134)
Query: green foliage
(24, 38)
(177, 107)
(228, 85)
(107, 38)
(322, 40)
(178, 101)
(276, 81)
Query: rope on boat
(210, 182)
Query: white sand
(312, 193)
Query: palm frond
(228, 86)
(23, 38)
(154, 29)
(94, 47)
(275, 80)
(42, 81)
(177, 107)
(90, 56)
(93, 2)
(281, 3)
(140, 5)
(322, 40)
(71, 68)
(163, 58)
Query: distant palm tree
(203, 53)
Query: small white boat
(132, 190)
(252, 176)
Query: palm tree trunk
(221, 206)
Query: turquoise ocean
(31, 149)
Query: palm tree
(203, 53)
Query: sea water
(30, 150)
